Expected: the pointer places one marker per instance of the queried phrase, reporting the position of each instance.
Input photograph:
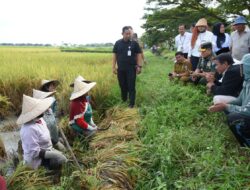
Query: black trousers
(194, 60)
(127, 80)
(240, 126)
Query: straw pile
(116, 150)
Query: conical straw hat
(32, 108)
(81, 79)
(81, 88)
(41, 95)
(45, 82)
(201, 22)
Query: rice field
(23, 69)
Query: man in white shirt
(200, 35)
(182, 41)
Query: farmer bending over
(35, 136)
(50, 86)
(50, 119)
(80, 109)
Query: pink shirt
(35, 137)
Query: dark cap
(205, 46)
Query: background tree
(163, 20)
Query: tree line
(164, 16)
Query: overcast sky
(69, 21)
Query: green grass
(187, 147)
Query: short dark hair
(179, 53)
(183, 25)
(225, 57)
(125, 28)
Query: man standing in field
(126, 64)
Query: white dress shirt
(226, 44)
(182, 42)
(202, 38)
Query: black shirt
(121, 49)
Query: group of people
(41, 140)
(222, 63)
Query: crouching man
(182, 68)
(239, 109)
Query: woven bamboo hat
(46, 82)
(81, 88)
(32, 108)
(81, 79)
(41, 95)
(201, 22)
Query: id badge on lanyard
(129, 51)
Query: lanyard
(182, 41)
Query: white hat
(41, 95)
(32, 108)
(81, 88)
(45, 82)
(81, 79)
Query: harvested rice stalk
(5, 106)
(122, 151)
(25, 178)
(111, 136)
(115, 173)
(122, 118)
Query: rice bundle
(116, 150)
(116, 173)
(25, 178)
(127, 119)
(123, 125)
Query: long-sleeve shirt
(242, 104)
(78, 111)
(202, 38)
(182, 43)
(35, 137)
(226, 44)
(230, 84)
